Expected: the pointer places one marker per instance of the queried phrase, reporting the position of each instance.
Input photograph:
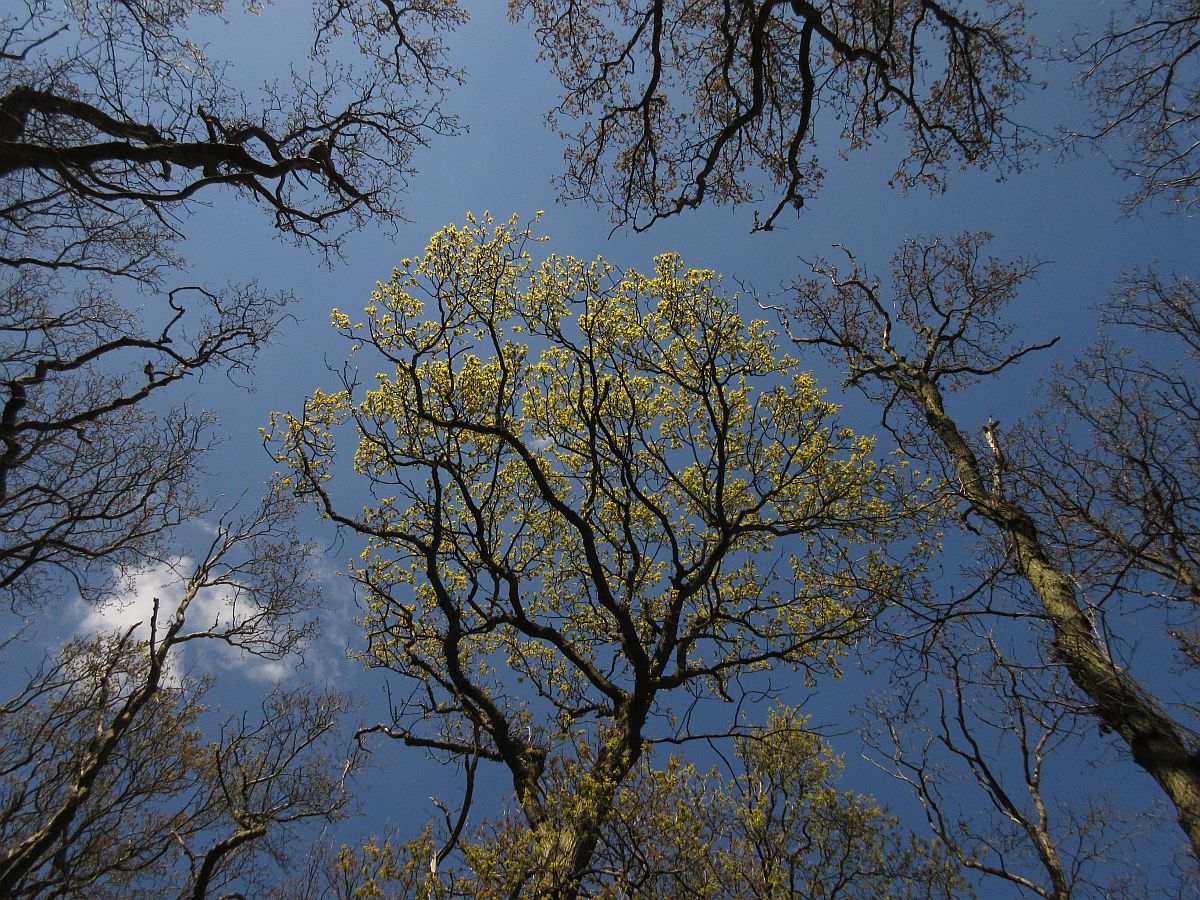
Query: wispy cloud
(327, 658)
(212, 609)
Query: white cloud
(163, 582)
(340, 633)
(166, 583)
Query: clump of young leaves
(779, 827)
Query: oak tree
(114, 124)
(669, 105)
(594, 495)
(777, 826)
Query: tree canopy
(115, 123)
(668, 104)
(779, 826)
(1092, 509)
(1141, 74)
(597, 493)
(602, 520)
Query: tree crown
(591, 488)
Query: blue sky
(1063, 210)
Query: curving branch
(670, 104)
(108, 142)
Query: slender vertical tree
(1092, 517)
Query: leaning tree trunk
(1154, 738)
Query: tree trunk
(1156, 741)
(565, 843)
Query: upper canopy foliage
(592, 488)
(114, 120)
(668, 103)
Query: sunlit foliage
(779, 827)
(592, 489)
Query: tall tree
(1094, 517)
(114, 124)
(107, 784)
(671, 103)
(598, 494)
